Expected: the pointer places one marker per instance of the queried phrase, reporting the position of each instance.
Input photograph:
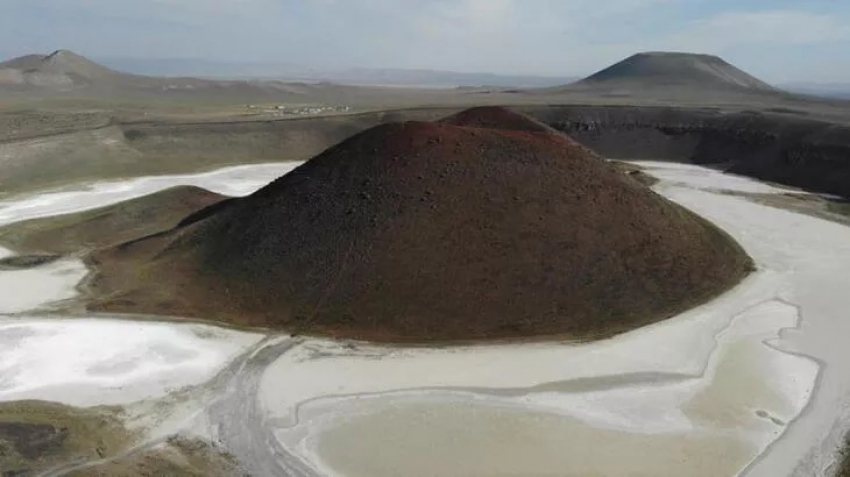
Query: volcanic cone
(434, 232)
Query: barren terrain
(259, 394)
(432, 232)
(752, 383)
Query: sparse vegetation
(839, 206)
(35, 435)
(843, 465)
(180, 456)
(123, 151)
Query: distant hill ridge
(64, 71)
(673, 69)
(68, 62)
(68, 67)
(62, 68)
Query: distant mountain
(402, 77)
(352, 76)
(28, 62)
(181, 67)
(60, 69)
(654, 70)
(826, 90)
(64, 71)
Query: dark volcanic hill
(431, 231)
(496, 117)
(665, 69)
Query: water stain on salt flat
(659, 423)
(462, 439)
(25, 290)
(116, 368)
(738, 392)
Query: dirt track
(230, 402)
(241, 424)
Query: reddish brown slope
(494, 117)
(429, 231)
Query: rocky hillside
(775, 146)
(423, 231)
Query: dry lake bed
(753, 383)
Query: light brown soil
(36, 436)
(179, 457)
(433, 232)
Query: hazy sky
(779, 40)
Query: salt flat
(24, 290)
(91, 361)
(85, 362)
(751, 383)
(234, 181)
(723, 380)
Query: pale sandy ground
(815, 257)
(703, 394)
(706, 393)
(85, 362)
(22, 290)
(232, 181)
(98, 361)
(156, 372)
